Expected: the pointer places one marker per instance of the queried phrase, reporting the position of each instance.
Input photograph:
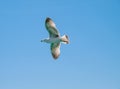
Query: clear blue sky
(90, 61)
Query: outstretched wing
(55, 50)
(50, 26)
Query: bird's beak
(41, 41)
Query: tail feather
(65, 39)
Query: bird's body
(54, 38)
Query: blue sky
(90, 61)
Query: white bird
(54, 38)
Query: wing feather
(51, 28)
(55, 50)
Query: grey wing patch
(50, 26)
(55, 50)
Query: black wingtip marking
(48, 19)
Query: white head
(45, 40)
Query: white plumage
(54, 38)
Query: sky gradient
(90, 61)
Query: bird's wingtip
(48, 18)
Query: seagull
(54, 38)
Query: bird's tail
(65, 39)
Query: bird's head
(44, 40)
